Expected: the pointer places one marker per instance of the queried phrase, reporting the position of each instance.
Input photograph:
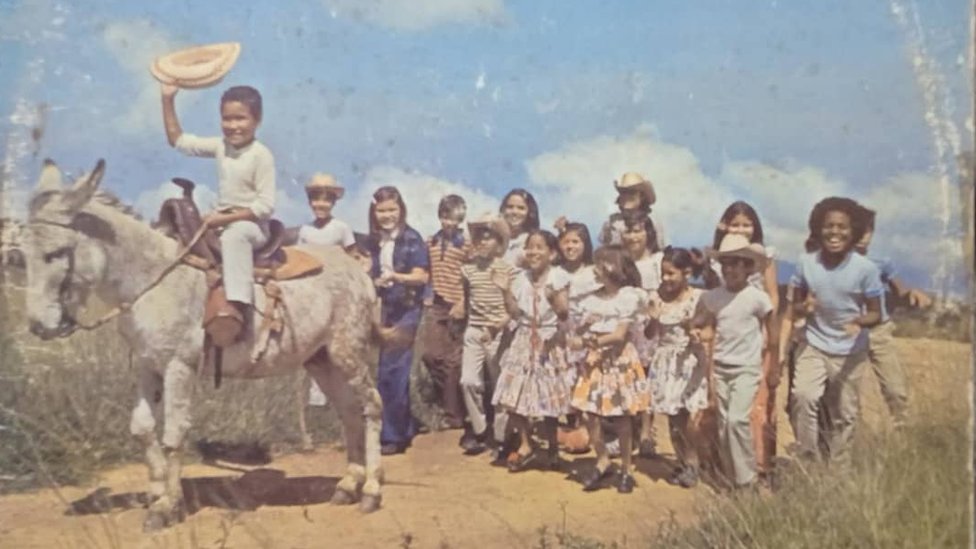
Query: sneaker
(688, 478)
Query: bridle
(65, 287)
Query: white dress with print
(676, 372)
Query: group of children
(525, 328)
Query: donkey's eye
(51, 256)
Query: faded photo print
(486, 273)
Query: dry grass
(65, 405)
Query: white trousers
(237, 244)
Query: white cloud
(409, 15)
(134, 44)
(421, 192)
(577, 181)
(783, 198)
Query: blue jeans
(393, 378)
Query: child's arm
(772, 332)
(916, 298)
(416, 277)
(871, 316)
(772, 288)
(619, 335)
(170, 121)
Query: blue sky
(779, 103)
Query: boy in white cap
(246, 182)
(737, 312)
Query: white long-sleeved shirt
(246, 176)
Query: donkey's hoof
(341, 497)
(370, 503)
(159, 520)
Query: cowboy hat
(633, 181)
(325, 182)
(737, 245)
(493, 223)
(196, 67)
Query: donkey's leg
(370, 406)
(146, 415)
(335, 385)
(304, 385)
(177, 399)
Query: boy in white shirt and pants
(246, 175)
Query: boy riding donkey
(246, 189)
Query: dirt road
(434, 496)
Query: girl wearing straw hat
(635, 193)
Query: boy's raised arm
(170, 121)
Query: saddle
(180, 219)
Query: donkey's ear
(82, 191)
(50, 179)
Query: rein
(124, 307)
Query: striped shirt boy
(447, 255)
(486, 301)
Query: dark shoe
(393, 448)
(474, 446)
(466, 438)
(647, 449)
(674, 479)
(554, 463)
(523, 462)
(592, 479)
(499, 455)
(626, 484)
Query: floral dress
(676, 370)
(612, 380)
(582, 283)
(532, 379)
(649, 267)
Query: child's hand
(575, 343)
(918, 299)
(810, 304)
(457, 311)
(653, 310)
(168, 90)
(560, 224)
(852, 329)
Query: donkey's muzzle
(66, 326)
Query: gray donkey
(81, 241)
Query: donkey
(81, 241)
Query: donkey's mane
(108, 198)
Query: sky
(777, 103)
